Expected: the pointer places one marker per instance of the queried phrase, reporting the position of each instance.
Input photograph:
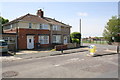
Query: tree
(117, 37)
(3, 21)
(76, 37)
(111, 29)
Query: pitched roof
(34, 18)
(53, 21)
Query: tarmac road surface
(74, 65)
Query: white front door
(30, 42)
(65, 40)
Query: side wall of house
(65, 32)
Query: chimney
(40, 13)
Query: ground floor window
(44, 39)
(9, 40)
(56, 38)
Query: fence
(95, 41)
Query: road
(73, 65)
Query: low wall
(71, 45)
(60, 47)
(67, 46)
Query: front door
(65, 40)
(30, 42)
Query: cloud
(82, 14)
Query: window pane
(56, 27)
(29, 40)
(40, 26)
(44, 39)
(56, 38)
(30, 25)
(44, 26)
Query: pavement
(28, 54)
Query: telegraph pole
(80, 33)
(80, 25)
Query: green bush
(75, 40)
(75, 37)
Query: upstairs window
(44, 26)
(40, 26)
(30, 25)
(56, 27)
(11, 26)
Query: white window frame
(11, 26)
(56, 38)
(40, 26)
(44, 26)
(56, 27)
(30, 25)
(43, 39)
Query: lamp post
(80, 33)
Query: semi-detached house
(37, 30)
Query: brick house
(33, 30)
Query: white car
(3, 46)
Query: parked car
(3, 46)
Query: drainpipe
(17, 37)
(51, 32)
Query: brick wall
(22, 37)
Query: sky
(93, 15)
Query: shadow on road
(83, 46)
(6, 54)
(98, 55)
